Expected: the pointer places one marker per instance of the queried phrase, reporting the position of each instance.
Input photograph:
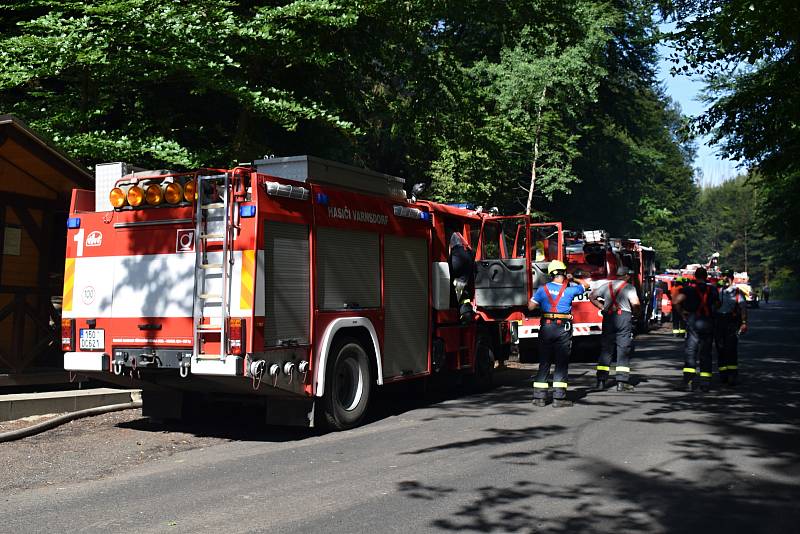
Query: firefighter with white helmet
(620, 303)
(555, 332)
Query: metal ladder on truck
(212, 269)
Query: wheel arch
(358, 327)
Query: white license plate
(93, 339)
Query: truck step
(213, 205)
(208, 328)
(211, 297)
(211, 266)
(212, 236)
(209, 357)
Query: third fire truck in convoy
(297, 285)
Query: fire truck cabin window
(474, 234)
(545, 239)
(491, 249)
(514, 237)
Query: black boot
(624, 386)
(562, 403)
(540, 402)
(601, 384)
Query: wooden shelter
(36, 181)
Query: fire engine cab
(297, 282)
(598, 257)
(585, 251)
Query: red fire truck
(599, 257)
(586, 251)
(642, 260)
(298, 283)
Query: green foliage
(635, 169)
(785, 284)
(464, 95)
(730, 224)
(748, 54)
(535, 89)
(165, 83)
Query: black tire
(528, 350)
(483, 377)
(348, 385)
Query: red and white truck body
(297, 281)
(585, 251)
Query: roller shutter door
(286, 284)
(405, 270)
(348, 269)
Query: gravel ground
(89, 449)
(98, 447)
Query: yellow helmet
(556, 265)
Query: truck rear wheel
(483, 379)
(348, 385)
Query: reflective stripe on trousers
(555, 343)
(699, 338)
(617, 337)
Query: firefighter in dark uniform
(678, 324)
(620, 303)
(696, 303)
(462, 272)
(729, 321)
(555, 333)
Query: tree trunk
(535, 151)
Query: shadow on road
(619, 501)
(230, 421)
(759, 420)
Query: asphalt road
(656, 460)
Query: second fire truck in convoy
(295, 284)
(598, 257)
(581, 251)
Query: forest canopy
(470, 97)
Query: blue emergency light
(73, 223)
(425, 216)
(321, 198)
(247, 211)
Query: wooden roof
(31, 164)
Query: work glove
(743, 329)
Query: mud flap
(158, 404)
(291, 412)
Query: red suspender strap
(554, 303)
(614, 294)
(703, 301)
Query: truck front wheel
(348, 385)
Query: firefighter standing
(696, 303)
(729, 321)
(620, 303)
(555, 333)
(678, 323)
